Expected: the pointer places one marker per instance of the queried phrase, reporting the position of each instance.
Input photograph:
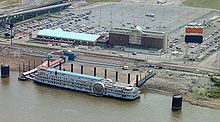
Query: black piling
(129, 78)
(48, 62)
(60, 67)
(116, 77)
(105, 73)
(19, 68)
(23, 67)
(5, 70)
(136, 80)
(94, 71)
(176, 102)
(71, 68)
(29, 65)
(81, 69)
(34, 63)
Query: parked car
(134, 53)
(150, 15)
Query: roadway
(34, 10)
(25, 4)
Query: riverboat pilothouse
(86, 83)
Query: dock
(29, 74)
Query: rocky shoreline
(190, 98)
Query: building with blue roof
(60, 36)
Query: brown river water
(26, 101)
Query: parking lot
(199, 52)
(99, 19)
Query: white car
(150, 15)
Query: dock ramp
(28, 74)
(145, 79)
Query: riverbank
(6, 4)
(194, 89)
(203, 102)
(15, 55)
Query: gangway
(144, 80)
(25, 75)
